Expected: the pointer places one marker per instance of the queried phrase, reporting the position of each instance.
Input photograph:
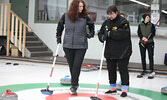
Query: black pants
(150, 48)
(123, 70)
(75, 58)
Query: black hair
(145, 15)
(111, 9)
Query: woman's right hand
(59, 40)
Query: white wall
(47, 32)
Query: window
(51, 10)
(97, 9)
(133, 10)
(164, 12)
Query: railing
(4, 19)
(14, 28)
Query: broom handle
(55, 57)
(101, 62)
(158, 21)
(147, 38)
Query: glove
(106, 34)
(110, 33)
(58, 40)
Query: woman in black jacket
(75, 41)
(118, 48)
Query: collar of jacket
(116, 18)
(145, 23)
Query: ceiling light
(164, 11)
(141, 3)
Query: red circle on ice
(80, 96)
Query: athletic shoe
(73, 90)
(111, 92)
(124, 94)
(151, 76)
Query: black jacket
(118, 43)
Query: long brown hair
(73, 12)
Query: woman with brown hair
(75, 41)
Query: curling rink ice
(27, 79)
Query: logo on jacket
(114, 28)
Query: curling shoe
(124, 94)
(73, 90)
(124, 90)
(111, 91)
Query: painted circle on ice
(80, 96)
(25, 91)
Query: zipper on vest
(73, 36)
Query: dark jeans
(75, 58)
(150, 48)
(123, 70)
